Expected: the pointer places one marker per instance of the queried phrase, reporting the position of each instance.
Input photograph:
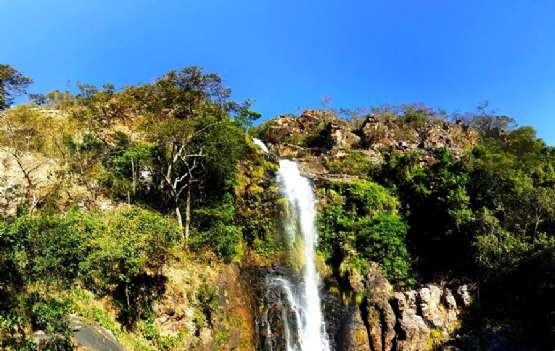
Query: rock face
(356, 336)
(318, 138)
(415, 320)
(317, 131)
(210, 305)
(383, 133)
(33, 179)
(383, 320)
(413, 331)
(14, 187)
(320, 132)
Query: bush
(50, 315)
(354, 163)
(381, 238)
(51, 248)
(217, 230)
(127, 257)
(361, 220)
(135, 241)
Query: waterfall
(302, 297)
(295, 298)
(260, 144)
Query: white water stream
(260, 144)
(302, 237)
(303, 323)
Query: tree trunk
(188, 211)
(179, 220)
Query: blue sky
(289, 54)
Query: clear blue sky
(289, 54)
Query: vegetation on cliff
(104, 189)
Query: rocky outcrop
(415, 320)
(30, 180)
(24, 178)
(312, 131)
(356, 336)
(319, 132)
(380, 317)
(317, 139)
(413, 333)
(386, 132)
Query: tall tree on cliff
(197, 130)
(12, 83)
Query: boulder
(431, 307)
(413, 333)
(342, 138)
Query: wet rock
(337, 317)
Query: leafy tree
(126, 259)
(218, 230)
(51, 248)
(12, 83)
(360, 220)
(436, 203)
(186, 110)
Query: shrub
(354, 163)
(52, 247)
(362, 216)
(50, 314)
(127, 257)
(217, 230)
(135, 241)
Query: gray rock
(413, 333)
(430, 306)
(464, 295)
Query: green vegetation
(354, 163)
(115, 184)
(167, 149)
(118, 253)
(12, 83)
(487, 217)
(360, 221)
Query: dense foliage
(118, 253)
(168, 149)
(360, 223)
(138, 174)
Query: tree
(12, 83)
(184, 109)
(32, 139)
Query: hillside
(147, 218)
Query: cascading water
(260, 144)
(298, 300)
(300, 228)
